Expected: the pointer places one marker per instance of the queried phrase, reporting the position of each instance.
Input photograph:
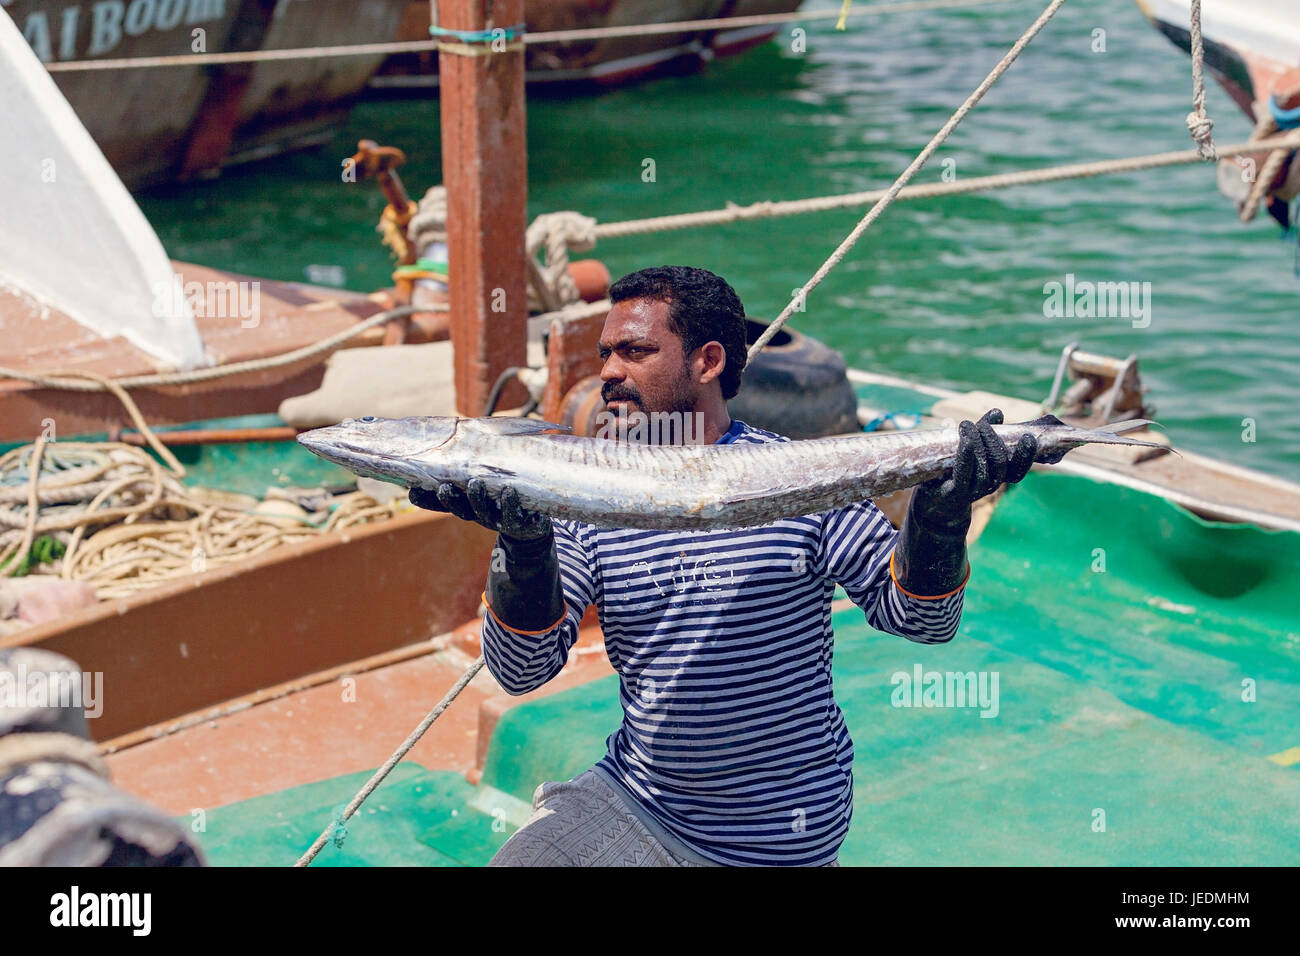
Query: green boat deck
(1138, 710)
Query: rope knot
(1202, 127)
(559, 233)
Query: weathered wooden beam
(484, 156)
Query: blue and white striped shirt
(731, 737)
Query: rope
(56, 380)
(29, 533)
(901, 181)
(161, 526)
(1263, 180)
(768, 210)
(429, 224)
(390, 763)
(578, 310)
(1265, 125)
(83, 381)
(1198, 123)
(558, 233)
(132, 410)
(554, 36)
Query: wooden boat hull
(231, 631)
(290, 316)
(1248, 43)
(599, 63)
(176, 122)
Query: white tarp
(70, 233)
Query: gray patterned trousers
(586, 822)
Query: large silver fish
(619, 484)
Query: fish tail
(1057, 437)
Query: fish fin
(506, 425)
(1126, 426)
(1047, 421)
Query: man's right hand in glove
(509, 517)
(523, 585)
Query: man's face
(645, 369)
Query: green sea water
(949, 291)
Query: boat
(1252, 48)
(178, 122)
(269, 750)
(1248, 43)
(238, 364)
(252, 700)
(600, 63)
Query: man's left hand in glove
(930, 555)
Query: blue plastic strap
(879, 420)
(480, 36)
(1286, 119)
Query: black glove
(523, 584)
(509, 517)
(930, 555)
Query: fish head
(389, 449)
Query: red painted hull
(166, 123)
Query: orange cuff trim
(515, 630)
(926, 597)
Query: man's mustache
(616, 393)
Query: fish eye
(367, 419)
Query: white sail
(70, 233)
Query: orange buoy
(591, 276)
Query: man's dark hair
(702, 307)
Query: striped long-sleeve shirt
(731, 737)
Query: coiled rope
(66, 490)
(125, 560)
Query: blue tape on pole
(480, 36)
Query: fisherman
(732, 749)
